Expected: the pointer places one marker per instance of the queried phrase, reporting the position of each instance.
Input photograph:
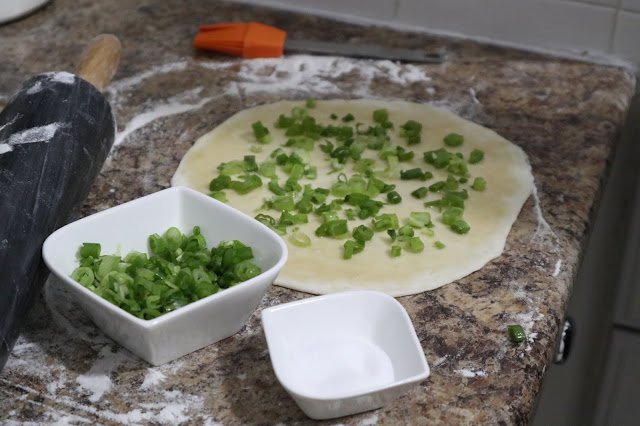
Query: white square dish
(127, 227)
(344, 353)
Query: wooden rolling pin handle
(100, 60)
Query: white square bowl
(127, 227)
(344, 353)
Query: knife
(255, 40)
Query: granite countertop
(565, 114)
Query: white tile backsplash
(626, 43)
(370, 9)
(631, 5)
(610, 3)
(546, 24)
(606, 29)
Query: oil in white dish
(337, 366)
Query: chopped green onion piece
(333, 117)
(298, 113)
(310, 103)
(392, 234)
(420, 192)
(380, 116)
(476, 156)
(261, 133)
(453, 139)
(419, 219)
(334, 228)
(415, 245)
(439, 245)
(516, 333)
(385, 221)
(479, 184)
(300, 239)
(452, 214)
(90, 250)
(460, 226)
(255, 148)
(219, 183)
(246, 185)
(396, 251)
(352, 247)
(362, 234)
(406, 231)
(347, 118)
(411, 174)
(394, 197)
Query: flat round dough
(320, 268)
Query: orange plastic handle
(249, 40)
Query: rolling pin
(55, 134)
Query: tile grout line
(614, 27)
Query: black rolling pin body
(55, 134)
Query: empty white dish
(344, 353)
(127, 227)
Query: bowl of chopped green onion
(344, 353)
(169, 273)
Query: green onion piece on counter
(352, 247)
(463, 180)
(246, 185)
(394, 197)
(476, 156)
(300, 239)
(415, 245)
(460, 226)
(268, 169)
(385, 221)
(219, 195)
(516, 333)
(411, 174)
(411, 130)
(438, 186)
(282, 203)
(396, 251)
(334, 229)
(419, 219)
(420, 192)
(405, 231)
(261, 133)
(220, 183)
(453, 139)
(298, 113)
(250, 164)
(90, 250)
(380, 116)
(347, 118)
(439, 245)
(479, 184)
(362, 234)
(392, 234)
(333, 116)
(255, 148)
(310, 103)
(452, 214)
(283, 122)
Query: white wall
(606, 29)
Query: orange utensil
(249, 40)
(254, 40)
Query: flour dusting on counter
(470, 373)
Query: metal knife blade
(370, 51)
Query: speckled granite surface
(566, 115)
